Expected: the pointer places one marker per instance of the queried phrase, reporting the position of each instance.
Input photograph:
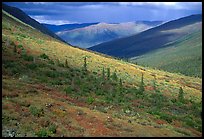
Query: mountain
(19, 14)
(65, 27)
(95, 34)
(51, 89)
(151, 39)
(182, 56)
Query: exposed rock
(48, 105)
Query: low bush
(44, 56)
(42, 133)
(90, 100)
(27, 57)
(32, 66)
(35, 111)
(52, 128)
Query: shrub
(35, 111)
(51, 62)
(68, 90)
(53, 74)
(53, 128)
(20, 46)
(42, 133)
(44, 56)
(27, 57)
(32, 66)
(90, 100)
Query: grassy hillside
(43, 95)
(182, 56)
(151, 39)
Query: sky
(110, 12)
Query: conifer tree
(181, 95)
(85, 64)
(121, 84)
(154, 84)
(114, 76)
(108, 73)
(103, 73)
(141, 89)
(66, 63)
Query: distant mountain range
(19, 14)
(152, 39)
(66, 27)
(94, 34)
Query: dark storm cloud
(71, 12)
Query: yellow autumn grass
(130, 73)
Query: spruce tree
(154, 84)
(181, 95)
(141, 89)
(114, 76)
(66, 63)
(108, 73)
(121, 84)
(85, 64)
(103, 73)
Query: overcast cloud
(111, 12)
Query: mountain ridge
(19, 14)
(145, 41)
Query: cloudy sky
(110, 12)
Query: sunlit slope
(37, 43)
(183, 56)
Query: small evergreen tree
(141, 89)
(108, 73)
(114, 76)
(181, 95)
(103, 73)
(85, 64)
(66, 63)
(121, 84)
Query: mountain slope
(65, 27)
(19, 14)
(184, 56)
(44, 80)
(102, 32)
(151, 39)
